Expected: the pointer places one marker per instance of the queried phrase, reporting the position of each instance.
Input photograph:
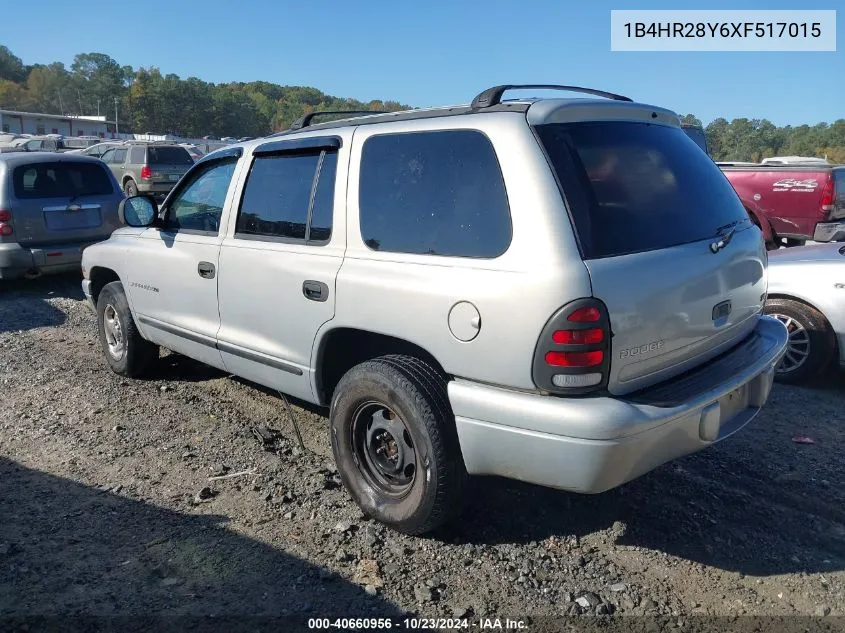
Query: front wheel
(811, 340)
(126, 351)
(395, 443)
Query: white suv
(563, 291)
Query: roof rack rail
(305, 121)
(493, 96)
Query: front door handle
(315, 290)
(206, 270)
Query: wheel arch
(339, 349)
(99, 277)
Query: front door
(173, 272)
(279, 262)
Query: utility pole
(98, 107)
(116, 126)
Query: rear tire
(811, 344)
(395, 444)
(126, 351)
(130, 188)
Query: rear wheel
(130, 188)
(811, 340)
(126, 351)
(395, 443)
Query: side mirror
(138, 211)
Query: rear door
(63, 202)
(279, 263)
(650, 209)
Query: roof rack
(493, 96)
(305, 121)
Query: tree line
(149, 101)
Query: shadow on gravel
(704, 509)
(24, 306)
(177, 368)
(68, 549)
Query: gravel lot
(103, 508)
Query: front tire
(395, 444)
(126, 351)
(811, 340)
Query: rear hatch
(668, 245)
(63, 202)
(168, 163)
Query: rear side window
(136, 155)
(60, 180)
(168, 156)
(635, 187)
(282, 191)
(436, 193)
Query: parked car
(807, 293)
(148, 167)
(792, 203)
(422, 275)
(51, 207)
(98, 149)
(195, 152)
(55, 143)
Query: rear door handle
(315, 290)
(206, 270)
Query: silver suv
(562, 291)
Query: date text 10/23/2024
(417, 624)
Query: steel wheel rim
(797, 346)
(113, 329)
(383, 449)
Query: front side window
(198, 206)
(283, 190)
(435, 193)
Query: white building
(16, 122)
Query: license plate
(174, 177)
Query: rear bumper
(829, 232)
(590, 445)
(16, 260)
(157, 190)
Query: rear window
(60, 180)
(634, 187)
(168, 156)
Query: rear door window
(168, 156)
(60, 180)
(634, 187)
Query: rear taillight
(828, 195)
(5, 228)
(573, 353)
(146, 172)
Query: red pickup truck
(792, 203)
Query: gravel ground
(107, 507)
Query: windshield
(635, 187)
(168, 156)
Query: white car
(807, 293)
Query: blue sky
(435, 52)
